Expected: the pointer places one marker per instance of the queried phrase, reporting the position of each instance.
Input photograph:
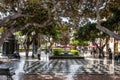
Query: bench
(7, 72)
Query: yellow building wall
(115, 46)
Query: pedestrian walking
(110, 53)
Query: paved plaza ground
(63, 69)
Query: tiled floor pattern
(60, 69)
(71, 66)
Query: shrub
(57, 51)
(74, 52)
(43, 49)
(22, 50)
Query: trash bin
(5, 48)
(8, 46)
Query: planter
(65, 57)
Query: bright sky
(65, 19)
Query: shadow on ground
(75, 77)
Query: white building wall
(111, 44)
(104, 49)
(118, 46)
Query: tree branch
(107, 31)
(107, 39)
(13, 29)
(101, 28)
(13, 17)
(48, 22)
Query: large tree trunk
(35, 43)
(39, 46)
(50, 46)
(26, 47)
(26, 44)
(102, 54)
(101, 47)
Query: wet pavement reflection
(28, 67)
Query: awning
(64, 46)
(93, 46)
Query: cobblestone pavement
(64, 69)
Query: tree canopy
(16, 15)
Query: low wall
(65, 57)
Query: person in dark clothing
(16, 55)
(110, 53)
(117, 57)
(94, 52)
